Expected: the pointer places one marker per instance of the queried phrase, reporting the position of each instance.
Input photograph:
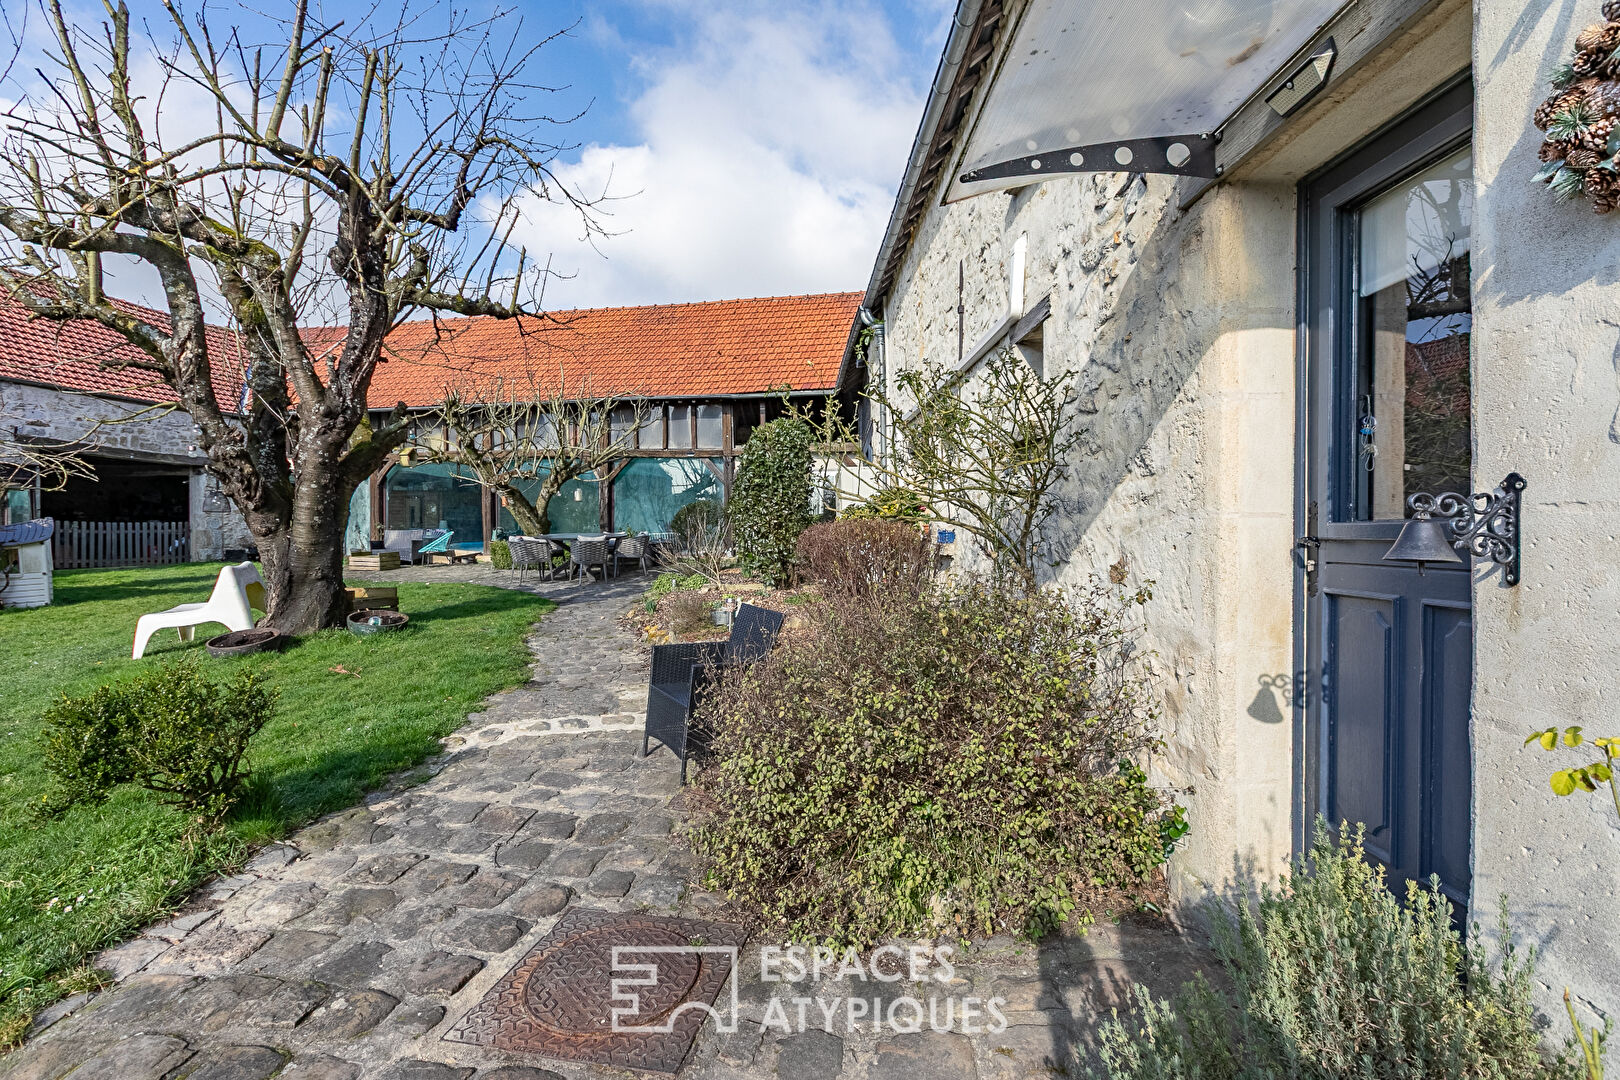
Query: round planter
(360, 622)
(242, 642)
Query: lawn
(72, 884)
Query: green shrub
(863, 557)
(770, 501)
(500, 554)
(668, 582)
(890, 504)
(918, 763)
(172, 731)
(697, 514)
(1333, 977)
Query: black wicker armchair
(680, 674)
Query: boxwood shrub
(939, 761)
(171, 730)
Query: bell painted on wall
(1423, 539)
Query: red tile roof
(70, 355)
(665, 350)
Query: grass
(72, 884)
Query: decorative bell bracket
(1485, 525)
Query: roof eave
(973, 18)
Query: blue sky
(746, 147)
(755, 146)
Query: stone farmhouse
(1294, 260)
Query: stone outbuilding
(701, 377)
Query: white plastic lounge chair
(238, 590)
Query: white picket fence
(120, 543)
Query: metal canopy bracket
(1179, 155)
(1303, 84)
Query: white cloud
(770, 147)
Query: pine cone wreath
(1580, 159)
(1596, 137)
(1581, 117)
(1603, 99)
(1603, 187)
(1563, 100)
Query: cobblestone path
(351, 949)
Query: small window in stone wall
(680, 427)
(710, 429)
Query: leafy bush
(1335, 978)
(172, 731)
(500, 554)
(770, 501)
(945, 761)
(697, 514)
(863, 557)
(890, 504)
(666, 583)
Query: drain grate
(559, 1000)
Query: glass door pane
(1411, 387)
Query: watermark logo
(627, 1005)
(809, 988)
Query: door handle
(1308, 545)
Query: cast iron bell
(1424, 539)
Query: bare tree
(509, 431)
(325, 188)
(53, 464)
(987, 457)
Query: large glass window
(710, 430)
(648, 491)
(1411, 409)
(19, 505)
(577, 508)
(435, 496)
(357, 534)
(680, 427)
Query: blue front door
(1389, 649)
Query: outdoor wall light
(1444, 526)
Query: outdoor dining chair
(588, 553)
(636, 549)
(681, 673)
(529, 554)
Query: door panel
(1448, 661)
(1363, 677)
(1385, 406)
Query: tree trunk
(533, 518)
(301, 549)
(530, 521)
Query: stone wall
(128, 430)
(1180, 335)
(1547, 403)
(1179, 320)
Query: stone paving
(351, 949)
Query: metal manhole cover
(559, 1000)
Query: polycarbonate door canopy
(1101, 72)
